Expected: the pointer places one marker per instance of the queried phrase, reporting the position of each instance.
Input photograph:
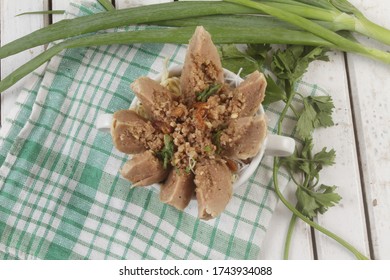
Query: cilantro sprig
(317, 112)
(287, 66)
(312, 199)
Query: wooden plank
(348, 218)
(331, 76)
(59, 5)
(301, 247)
(12, 28)
(370, 85)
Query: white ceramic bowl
(273, 145)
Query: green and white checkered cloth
(61, 195)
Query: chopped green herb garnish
(166, 153)
(216, 139)
(208, 149)
(204, 95)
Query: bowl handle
(103, 122)
(279, 146)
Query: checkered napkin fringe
(61, 196)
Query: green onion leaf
(51, 12)
(107, 5)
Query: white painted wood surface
(13, 27)
(59, 5)
(370, 88)
(361, 91)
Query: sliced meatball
(213, 180)
(178, 189)
(156, 99)
(144, 169)
(248, 96)
(243, 137)
(130, 132)
(202, 66)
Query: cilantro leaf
(312, 202)
(317, 112)
(291, 163)
(234, 60)
(290, 64)
(324, 107)
(311, 199)
(324, 157)
(273, 92)
(250, 59)
(326, 198)
(321, 159)
(306, 203)
(259, 52)
(306, 163)
(253, 58)
(307, 121)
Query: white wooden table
(361, 91)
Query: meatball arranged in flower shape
(213, 188)
(144, 169)
(132, 134)
(191, 143)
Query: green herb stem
(308, 178)
(306, 11)
(339, 20)
(355, 21)
(295, 211)
(373, 30)
(291, 227)
(291, 94)
(316, 29)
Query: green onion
(316, 29)
(221, 35)
(339, 12)
(248, 21)
(51, 12)
(118, 18)
(107, 5)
